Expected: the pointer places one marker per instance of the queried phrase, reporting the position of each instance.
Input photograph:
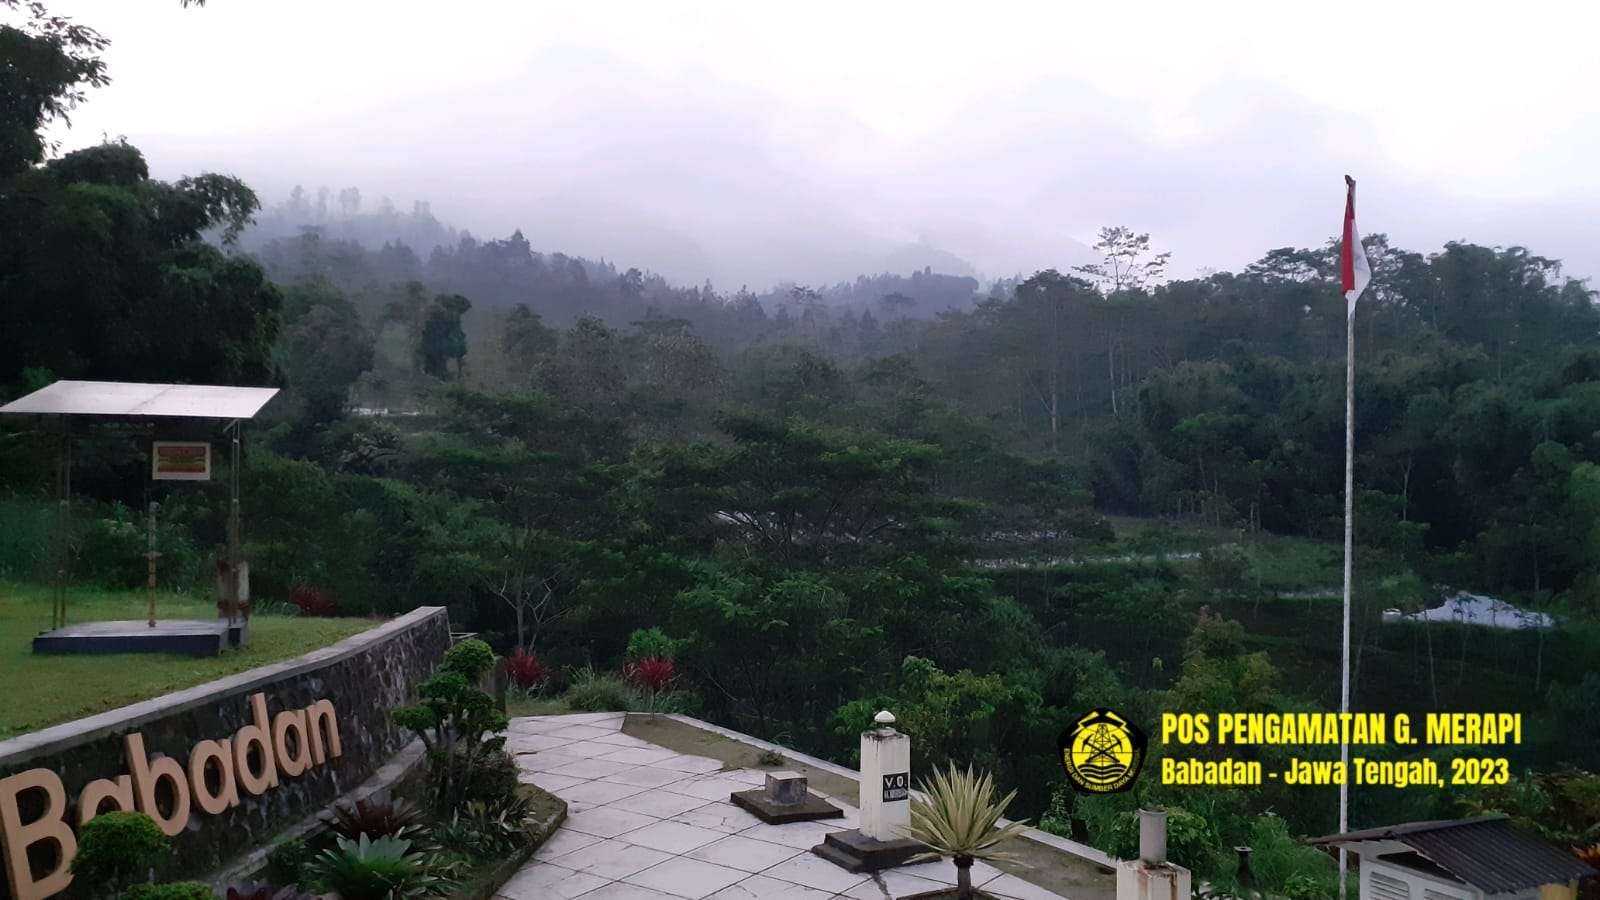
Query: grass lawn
(46, 690)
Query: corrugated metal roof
(126, 398)
(1485, 852)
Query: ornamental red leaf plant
(526, 670)
(652, 677)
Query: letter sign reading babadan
(252, 760)
(896, 786)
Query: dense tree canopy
(896, 491)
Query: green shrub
(593, 691)
(27, 528)
(179, 890)
(1283, 866)
(286, 863)
(381, 869)
(1191, 841)
(469, 658)
(651, 643)
(491, 777)
(111, 549)
(117, 849)
(452, 719)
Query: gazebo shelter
(151, 408)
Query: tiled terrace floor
(647, 823)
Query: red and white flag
(1354, 269)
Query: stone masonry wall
(363, 676)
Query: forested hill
(1215, 398)
(329, 234)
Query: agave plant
(956, 815)
(382, 869)
(397, 818)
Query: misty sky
(758, 142)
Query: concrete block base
(855, 852)
(187, 637)
(759, 804)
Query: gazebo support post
(151, 555)
(234, 594)
(63, 548)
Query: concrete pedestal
(758, 804)
(785, 799)
(880, 842)
(188, 637)
(885, 782)
(856, 852)
(1144, 881)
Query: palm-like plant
(396, 818)
(382, 869)
(956, 815)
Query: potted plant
(955, 815)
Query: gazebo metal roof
(134, 400)
(1484, 851)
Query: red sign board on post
(180, 461)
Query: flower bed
(460, 828)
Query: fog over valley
(750, 146)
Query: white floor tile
(621, 890)
(636, 755)
(582, 732)
(721, 816)
(672, 837)
(622, 740)
(612, 859)
(594, 718)
(647, 776)
(590, 768)
(565, 840)
(690, 878)
(597, 793)
(738, 852)
(535, 726)
(545, 760)
(595, 749)
(605, 822)
(532, 743)
(800, 835)
(900, 884)
(694, 765)
(552, 782)
(757, 887)
(708, 788)
(814, 872)
(1014, 888)
(657, 802)
(542, 881)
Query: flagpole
(1349, 542)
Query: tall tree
(442, 338)
(49, 65)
